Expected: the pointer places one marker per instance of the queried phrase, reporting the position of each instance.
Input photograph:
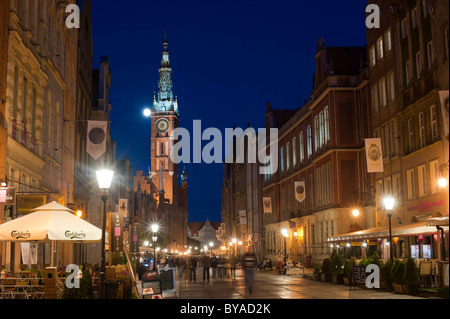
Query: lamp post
(211, 244)
(389, 206)
(154, 238)
(234, 240)
(104, 178)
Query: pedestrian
(187, 269)
(233, 266)
(279, 261)
(249, 263)
(206, 261)
(193, 269)
(214, 266)
(179, 262)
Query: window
(372, 57)
(322, 129)
(388, 186)
(393, 137)
(380, 190)
(396, 187)
(316, 133)
(388, 40)
(434, 176)
(24, 101)
(288, 155)
(422, 129)
(410, 135)
(374, 98)
(446, 42)
(309, 140)
(326, 119)
(383, 97)
(33, 111)
(418, 64)
(407, 72)
(294, 151)
(380, 48)
(318, 192)
(422, 174)
(302, 147)
(404, 28)
(410, 184)
(414, 18)
(391, 88)
(282, 159)
(385, 140)
(434, 127)
(425, 8)
(15, 92)
(430, 54)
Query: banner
(443, 96)
(115, 233)
(134, 238)
(242, 217)
(8, 195)
(123, 207)
(300, 191)
(96, 138)
(267, 204)
(374, 155)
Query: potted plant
(398, 276)
(326, 274)
(386, 275)
(411, 276)
(316, 273)
(347, 271)
(336, 269)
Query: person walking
(249, 263)
(206, 261)
(233, 262)
(187, 269)
(280, 261)
(214, 265)
(193, 268)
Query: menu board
(359, 275)
(151, 289)
(167, 277)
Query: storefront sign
(426, 206)
(28, 202)
(116, 236)
(134, 240)
(8, 195)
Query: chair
(424, 272)
(22, 283)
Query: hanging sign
(267, 203)
(96, 138)
(300, 191)
(116, 236)
(8, 195)
(374, 155)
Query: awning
(414, 229)
(437, 221)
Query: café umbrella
(49, 223)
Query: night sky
(229, 58)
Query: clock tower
(165, 118)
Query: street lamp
(234, 240)
(389, 206)
(104, 178)
(211, 244)
(154, 228)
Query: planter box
(398, 288)
(326, 278)
(339, 279)
(316, 277)
(346, 281)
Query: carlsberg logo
(20, 234)
(74, 234)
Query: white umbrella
(50, 222)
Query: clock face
(162, 125)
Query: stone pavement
(271, 285)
